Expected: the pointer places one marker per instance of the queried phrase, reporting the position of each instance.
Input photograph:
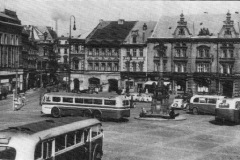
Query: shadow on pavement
(223, 123)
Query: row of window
(9, 56)
(103, 52)
(8, 39)
(136, 66)
(82, 100)
(136, 52)
(103, 66)
(45, 149)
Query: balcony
(156, 58)
(203, 74)
(182, 59)
(133, 58)
(226, 60)
(204, 59)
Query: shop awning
(150, 82)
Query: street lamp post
(16, 86)
(69, 58)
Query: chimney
(120, 21)
(56, 26)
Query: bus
(228, 110)
(203, 104)
(60, 104)
(65, 139)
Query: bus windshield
(7, 153)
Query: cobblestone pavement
(198, 137)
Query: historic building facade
(11, 72)
(44, 37)
(103, 49)
(134, 56)
(201, 57)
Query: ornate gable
(228, 30)
(182, 30)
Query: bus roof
(101, 95)
(209, 96)
(48, 127)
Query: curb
(179, 118)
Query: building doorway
(76, 84)
(227, 88)
(113, 85)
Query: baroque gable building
(201, 53)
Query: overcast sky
(88, 12)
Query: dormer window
(228, 31)
(134, 39)
(181, 31)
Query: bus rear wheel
(56, 112)
(87, 113)
(97, 115)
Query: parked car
(179, 103)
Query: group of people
(19, 101)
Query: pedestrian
(172, 113)
(24, 100)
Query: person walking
(24, 100)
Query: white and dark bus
(64, 139)
(97, 106)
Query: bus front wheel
(97, 154)
(56, 113)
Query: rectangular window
(56, 99)
(97, 52)
(70, 139)
(134, 66)
(212, 101)
(60, 142)
(88, 101)
(78, 100)
(65, 51)
(96, 66)
(110, 102)
(79, 135)
(134, 52)
(97, 101)
(125, 102)
(67, 100)
(90, 66)
(141, 52)
(90, 52)
(128, 52)
(230, 53)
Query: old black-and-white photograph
(119, 80)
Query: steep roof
(40, 30)
(214, 22)
(110, 33)
(139, 28)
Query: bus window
(97, 101)
(212, 101)
(56, 99)
(38, 151)
(237, 105)
(7, 153)
(60, 142)
(86, 134)
(70, 139)
(110, 102)
(48, 99)
(78, 100)
(203, 100)
(88, 101)
(95, 131)
(47, 149)
(79, 135)
(196, 100)
(67, 100)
